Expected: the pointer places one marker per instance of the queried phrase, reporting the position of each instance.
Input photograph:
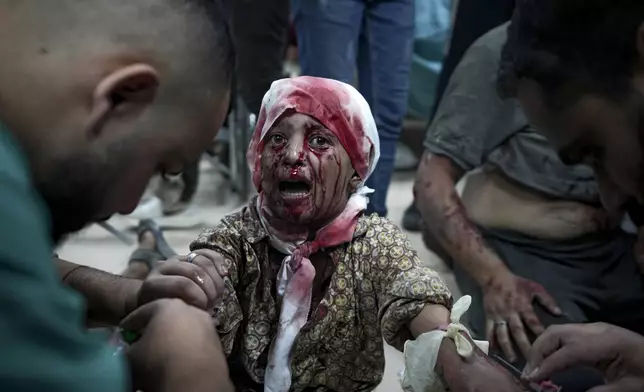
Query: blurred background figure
(471, 20)
(375, 38)
(261, 34)
(433, 27)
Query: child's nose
(295, 152)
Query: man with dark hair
(577, 68)
(95, 97)
(527, 234)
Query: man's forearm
(446, 217)
(109, 297)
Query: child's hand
(199, 282)
(215, 266)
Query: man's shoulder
(41, 320)
(484, 54)
(20, 203)
(492, 42)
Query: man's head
(314, 145)
(577, 66)
(102, 94)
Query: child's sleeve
(404, 283)
(226, 240)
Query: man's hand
(508, 301)
(179, 349)
(616, 352)
(475, 374)
(199, 283)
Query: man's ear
(354, 183)
(127, 89)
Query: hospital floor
(100, 249)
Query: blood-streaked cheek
(331, 181)
(270, 163)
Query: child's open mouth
(294, 189)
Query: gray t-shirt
(476, 128)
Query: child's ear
(354, 183)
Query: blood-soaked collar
(253, 231)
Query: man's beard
(68, 215)
(74, 192)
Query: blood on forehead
(336, 105)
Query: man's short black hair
(585, 44)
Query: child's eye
(319, 142)
(277, 139)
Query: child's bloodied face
(307, 175)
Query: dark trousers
(373, 38)
(260, 28)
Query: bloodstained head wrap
(343, 111)
(336, 105)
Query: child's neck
(296, 231)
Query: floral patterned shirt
(375, 287)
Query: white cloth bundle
(421, 354)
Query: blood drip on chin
(295, 210)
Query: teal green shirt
(43, 344)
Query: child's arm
(225, 245)
(404, 284)
(414, 299)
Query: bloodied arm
(470, 122)
(448, 221)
